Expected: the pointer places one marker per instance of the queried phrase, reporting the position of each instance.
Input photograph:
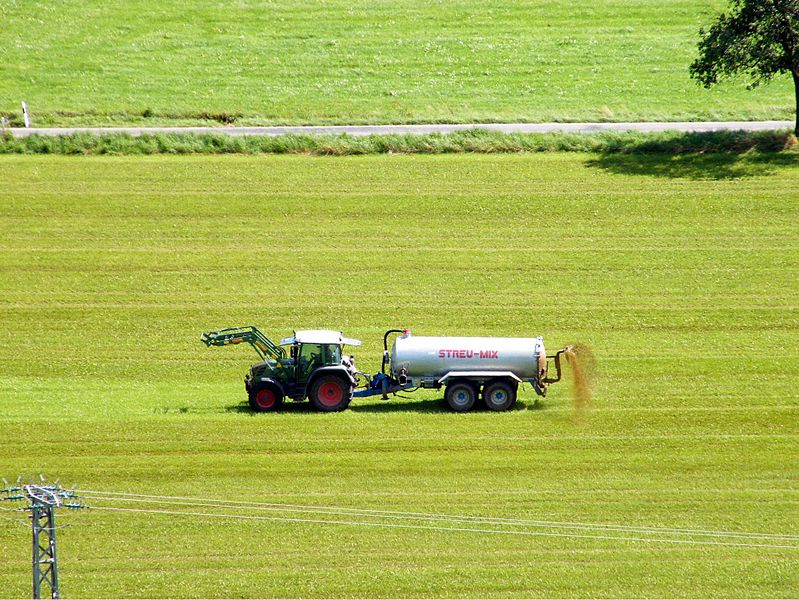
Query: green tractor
(309, 364)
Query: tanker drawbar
(469, 368)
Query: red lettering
(452, 353)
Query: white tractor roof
(319, 336)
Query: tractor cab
(314, 349)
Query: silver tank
(428, 357)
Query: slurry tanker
(312, 365)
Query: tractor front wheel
(266, 398)
(330, 393)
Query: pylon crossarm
(43, 495)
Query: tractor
(309, 364)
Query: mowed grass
(682, 273)
(344, 61)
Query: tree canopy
(757, 38)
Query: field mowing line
(421, 516)
(598, 306)
(147, 250)
(680, 409)
(579, 438)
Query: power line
(456, 529)
(455, 519)
(461, 529)
(344, 511)
(18, 521)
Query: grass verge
(472, 141)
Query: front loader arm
(250, 334)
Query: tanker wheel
(499, 395)
(461, 396)
(330, 393)
(266, 398)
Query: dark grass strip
(474, 141)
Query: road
(426, 128)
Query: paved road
(431, 128)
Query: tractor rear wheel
(460, 395)
(266, 398)
(330, 393)
(499, 395)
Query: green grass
(473, 141)
(682, 273)
(300, 62)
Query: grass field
(344, 61)
(682, 273)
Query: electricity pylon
(43, 499)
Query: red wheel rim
(265, 398)
(330, 394)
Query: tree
(759, 38)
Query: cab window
(310, 357)
(331, 354)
